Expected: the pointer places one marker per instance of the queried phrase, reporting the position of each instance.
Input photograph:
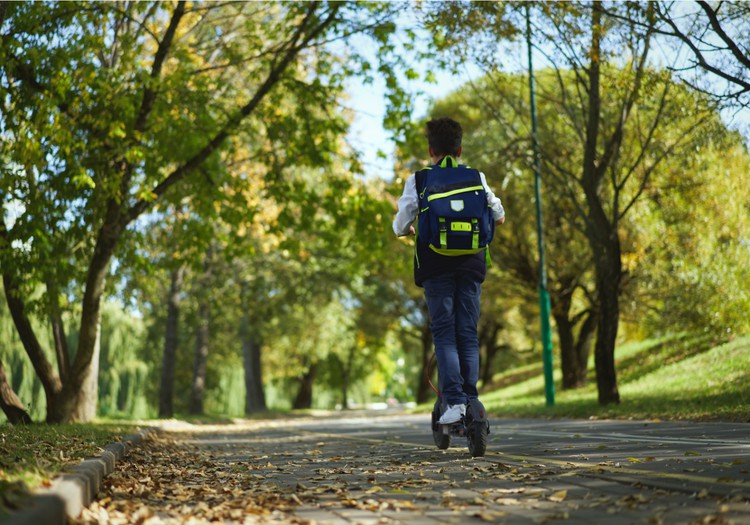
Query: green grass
(34, 454)
(679, 377)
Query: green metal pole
(544, 302)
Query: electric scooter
(474, 425)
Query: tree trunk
(424, 392)
(608, 275)
(201, 360)
(166, 385)
(83, 377)
(344, 387)
(568, 360)
(255, 397)
(570, 365)
(9, 402)
(346, 375)
(488, 341)
(58, 331)
(84, 408)
(602, 236)
(583, 345)
(201, 338)
(44, 370)
(305, 392)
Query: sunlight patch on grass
(669, 378)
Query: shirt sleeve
(408, 205)
(493, 201)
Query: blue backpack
(454, 217)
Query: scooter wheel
(476, 435)
(442, 440)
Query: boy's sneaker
(453, 414)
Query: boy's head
(444, 137)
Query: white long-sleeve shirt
(408, 205)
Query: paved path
(385, 469)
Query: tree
(202, 336)
(611, 178)
(110, 107)
(166, 383)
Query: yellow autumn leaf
(559, 496)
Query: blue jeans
(453, 302)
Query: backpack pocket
(457, 226)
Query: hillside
(679, 377)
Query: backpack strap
(448, 162)
(421, 183)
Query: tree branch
(58, 331)
(149, 94)
(9, 402)
(50, 381)
(293, 48)
(716, 26)
(701, 60)
(659, 159)
(649, 137)
(613, 146)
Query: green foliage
(225, 394)
(123, 374)
(676, 271)
(696, 263)
(465, 30)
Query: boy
(452, 283)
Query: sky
(367, 135)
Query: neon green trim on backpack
(444, 162)
(452, 253)
(475, 235)
(454, 192)
(443, 233)
(461, 227)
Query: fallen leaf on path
(491, 517)
(559, 496)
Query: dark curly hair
(444, 136)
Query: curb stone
(75, 489)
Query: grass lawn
(34, 454)
(681, 377)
